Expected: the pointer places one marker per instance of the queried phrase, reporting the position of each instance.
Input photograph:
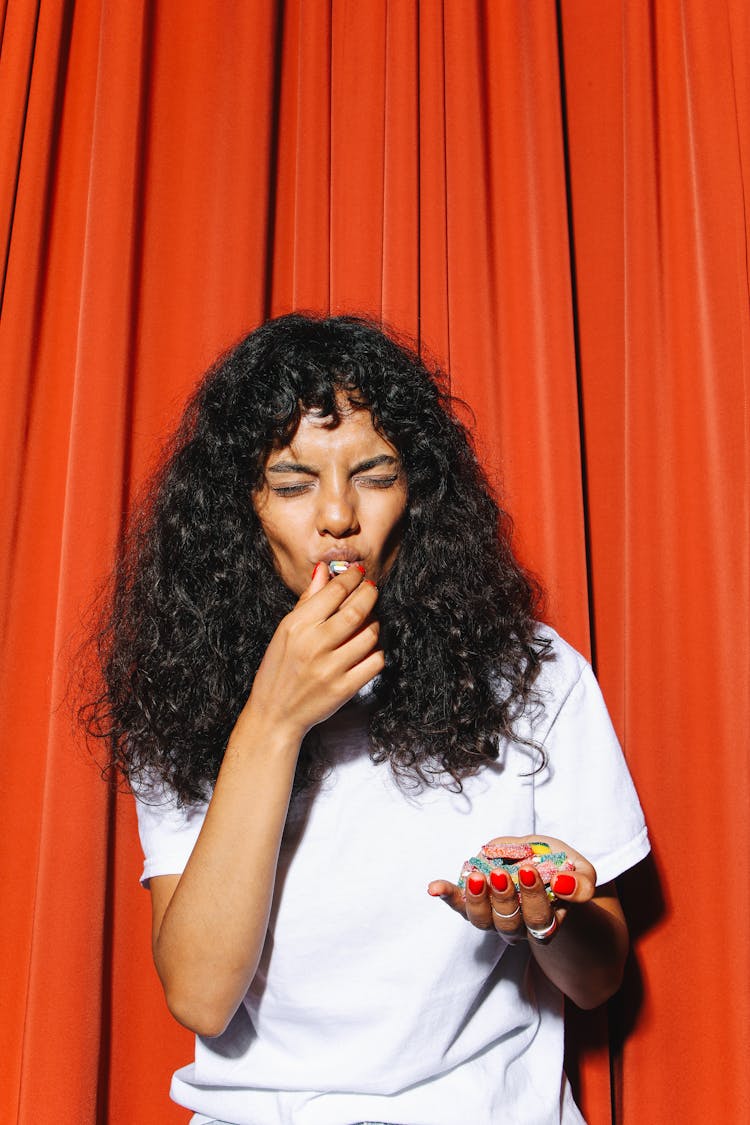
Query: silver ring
(547, 932)
(499, 913)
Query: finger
(449, 893)
(324, 594)
(506, 906)
(576, 886)
(538, 912)
(478, 908)
(352, 614)
(318, 581)
(356, 678)
(356, 648)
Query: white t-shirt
(374, 1001)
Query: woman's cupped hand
(321, 654)
(492, 902)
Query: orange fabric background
(553, 199)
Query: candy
(338, 566)
(509, 851)
(510, 858)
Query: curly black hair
(195, 597)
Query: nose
(337, 512)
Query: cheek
(281, 537)
(274, 528)
(393, 517)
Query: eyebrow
(360, 467)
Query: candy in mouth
(338, 566)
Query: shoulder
(562, 665)
(561, 672)
(583, 792)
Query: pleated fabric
(552, 199)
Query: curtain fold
(552, 198)
(663, 297)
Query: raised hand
(321, 654)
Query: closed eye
(290, 489)
(378, 482)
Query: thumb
(450, 893)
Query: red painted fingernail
(368, 582)
(564, 885)
(499, 880)
(475, 884)
(528, 878)
(315, 568)
(360, 567)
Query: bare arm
(586, 957)
(209, 924)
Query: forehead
(352, 432)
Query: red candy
(513, 852)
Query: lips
(345, 554)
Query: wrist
(259, 727)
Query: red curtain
(553, 199)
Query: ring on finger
(545, 933)
(507, 917)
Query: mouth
(341, 554)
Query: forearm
(210, 925)
(209, 940)
(586, 956)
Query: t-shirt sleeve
(168, 832)
(584, 795)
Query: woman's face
(335, 492)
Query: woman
(312, 746)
